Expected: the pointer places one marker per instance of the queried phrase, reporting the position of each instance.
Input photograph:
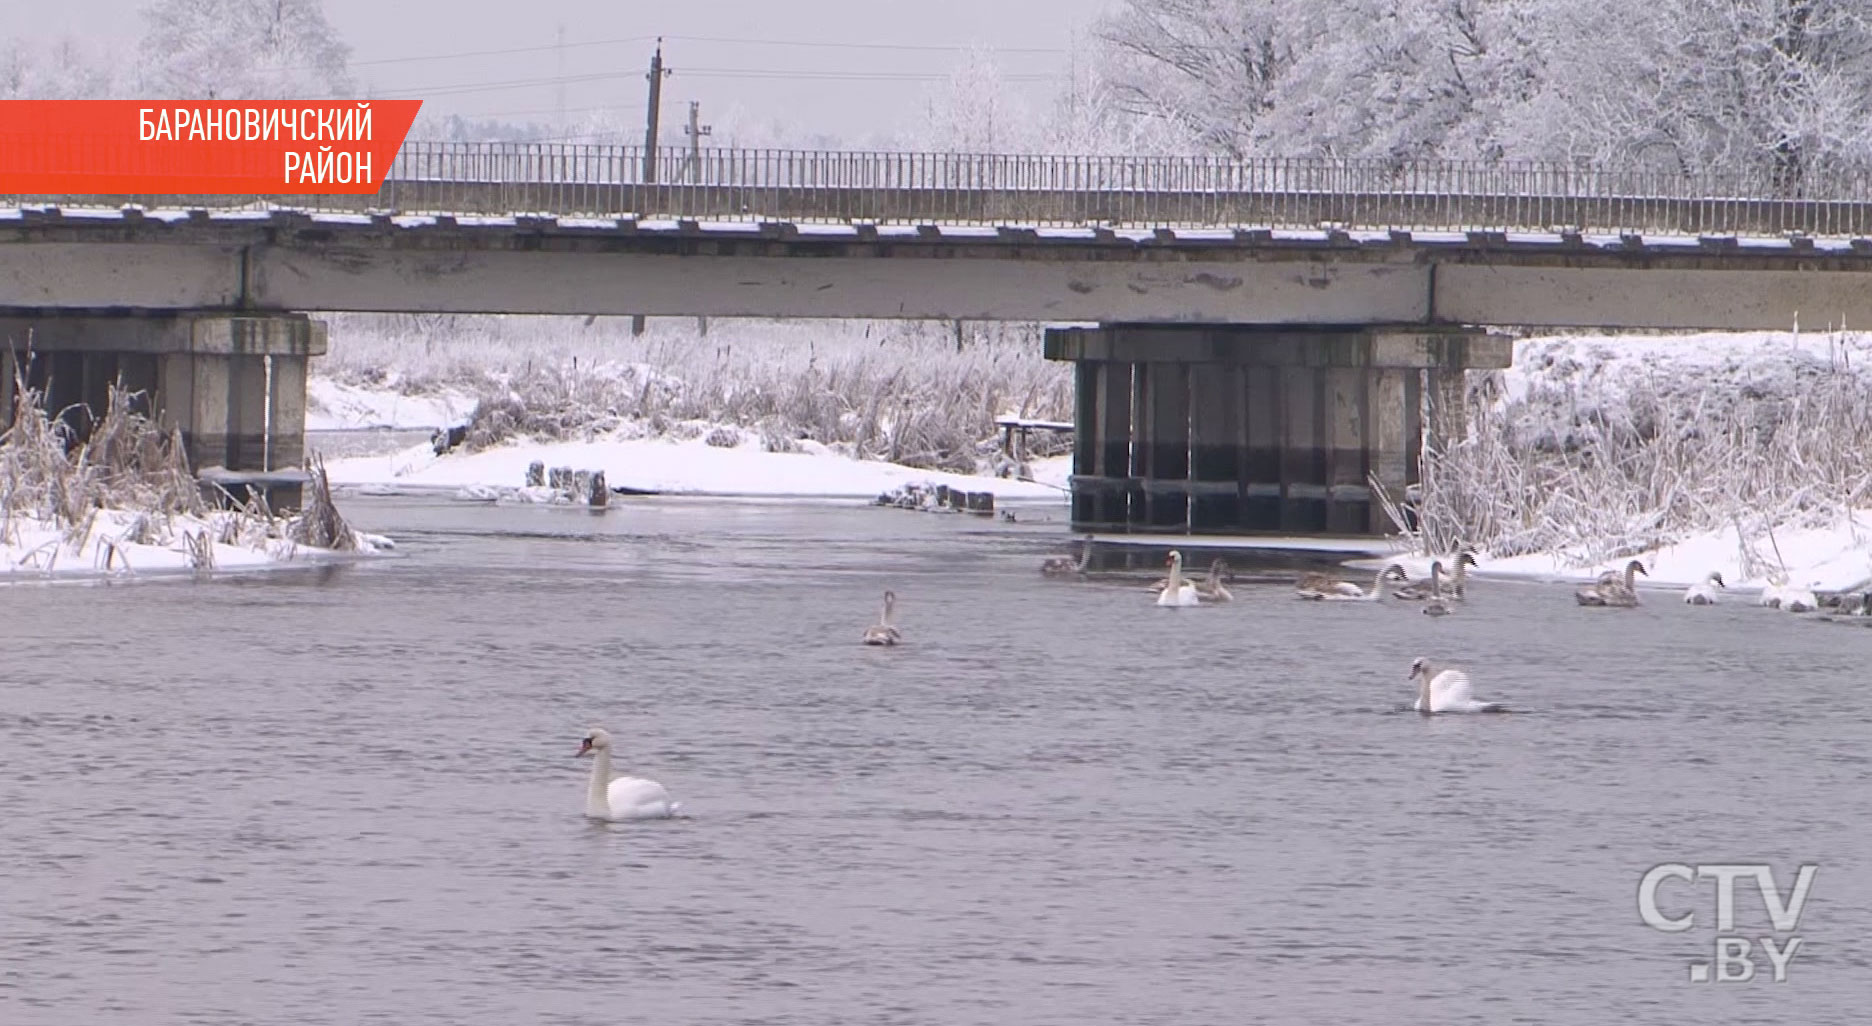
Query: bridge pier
(1237, 429)
(233, 383)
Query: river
(348, 795)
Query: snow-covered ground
(1837, 559)
(1721, 365)
(680, 468)
(33, 547)
(338, 406)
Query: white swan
(1771, 593)
(1703, 593)
(1177, 592)
(1779, 594)
(1446, 691)
(884, 632)
(625, 797)
(1356, 593)
(1209, 589)
(1612, 593)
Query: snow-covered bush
(1599, 448)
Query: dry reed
(1601, 468)
(49, 474)
(906, 392)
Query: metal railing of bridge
(818, 186)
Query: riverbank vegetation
(121, 498)
(1595, 449)
(919, 394)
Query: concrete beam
(158, 333)
(869, 287)
(1591, 297)
(1399, 346)
(105, 276)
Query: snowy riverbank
(1825, 559)
(117, 543)
(345, 406)
(672, 467)
(1736, 453)
(123, 501)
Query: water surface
(348, 795)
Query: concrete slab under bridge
(1251, 429)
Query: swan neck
(598, 796)
(1423, 692)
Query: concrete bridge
(1270, 329)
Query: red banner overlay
(199, 148)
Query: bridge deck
(92, 259)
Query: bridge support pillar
(234, 384)
(1236, 429)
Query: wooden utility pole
(654, 113)
(696, 131)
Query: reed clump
(1600, 461)
(130, 473)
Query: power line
(919, 47)
(927, 47)
(923, 47)
(496, 53)
(534, 110)
(853, 76)
(812, 75)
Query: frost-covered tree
(1419, 78)
(738, 128)
(1780, 88)
(973, 111)
(431, 127)
(1088, 116)
(1354, 78)
(1214, 67)
(242, 50)
(67, 71)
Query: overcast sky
(385, 33)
